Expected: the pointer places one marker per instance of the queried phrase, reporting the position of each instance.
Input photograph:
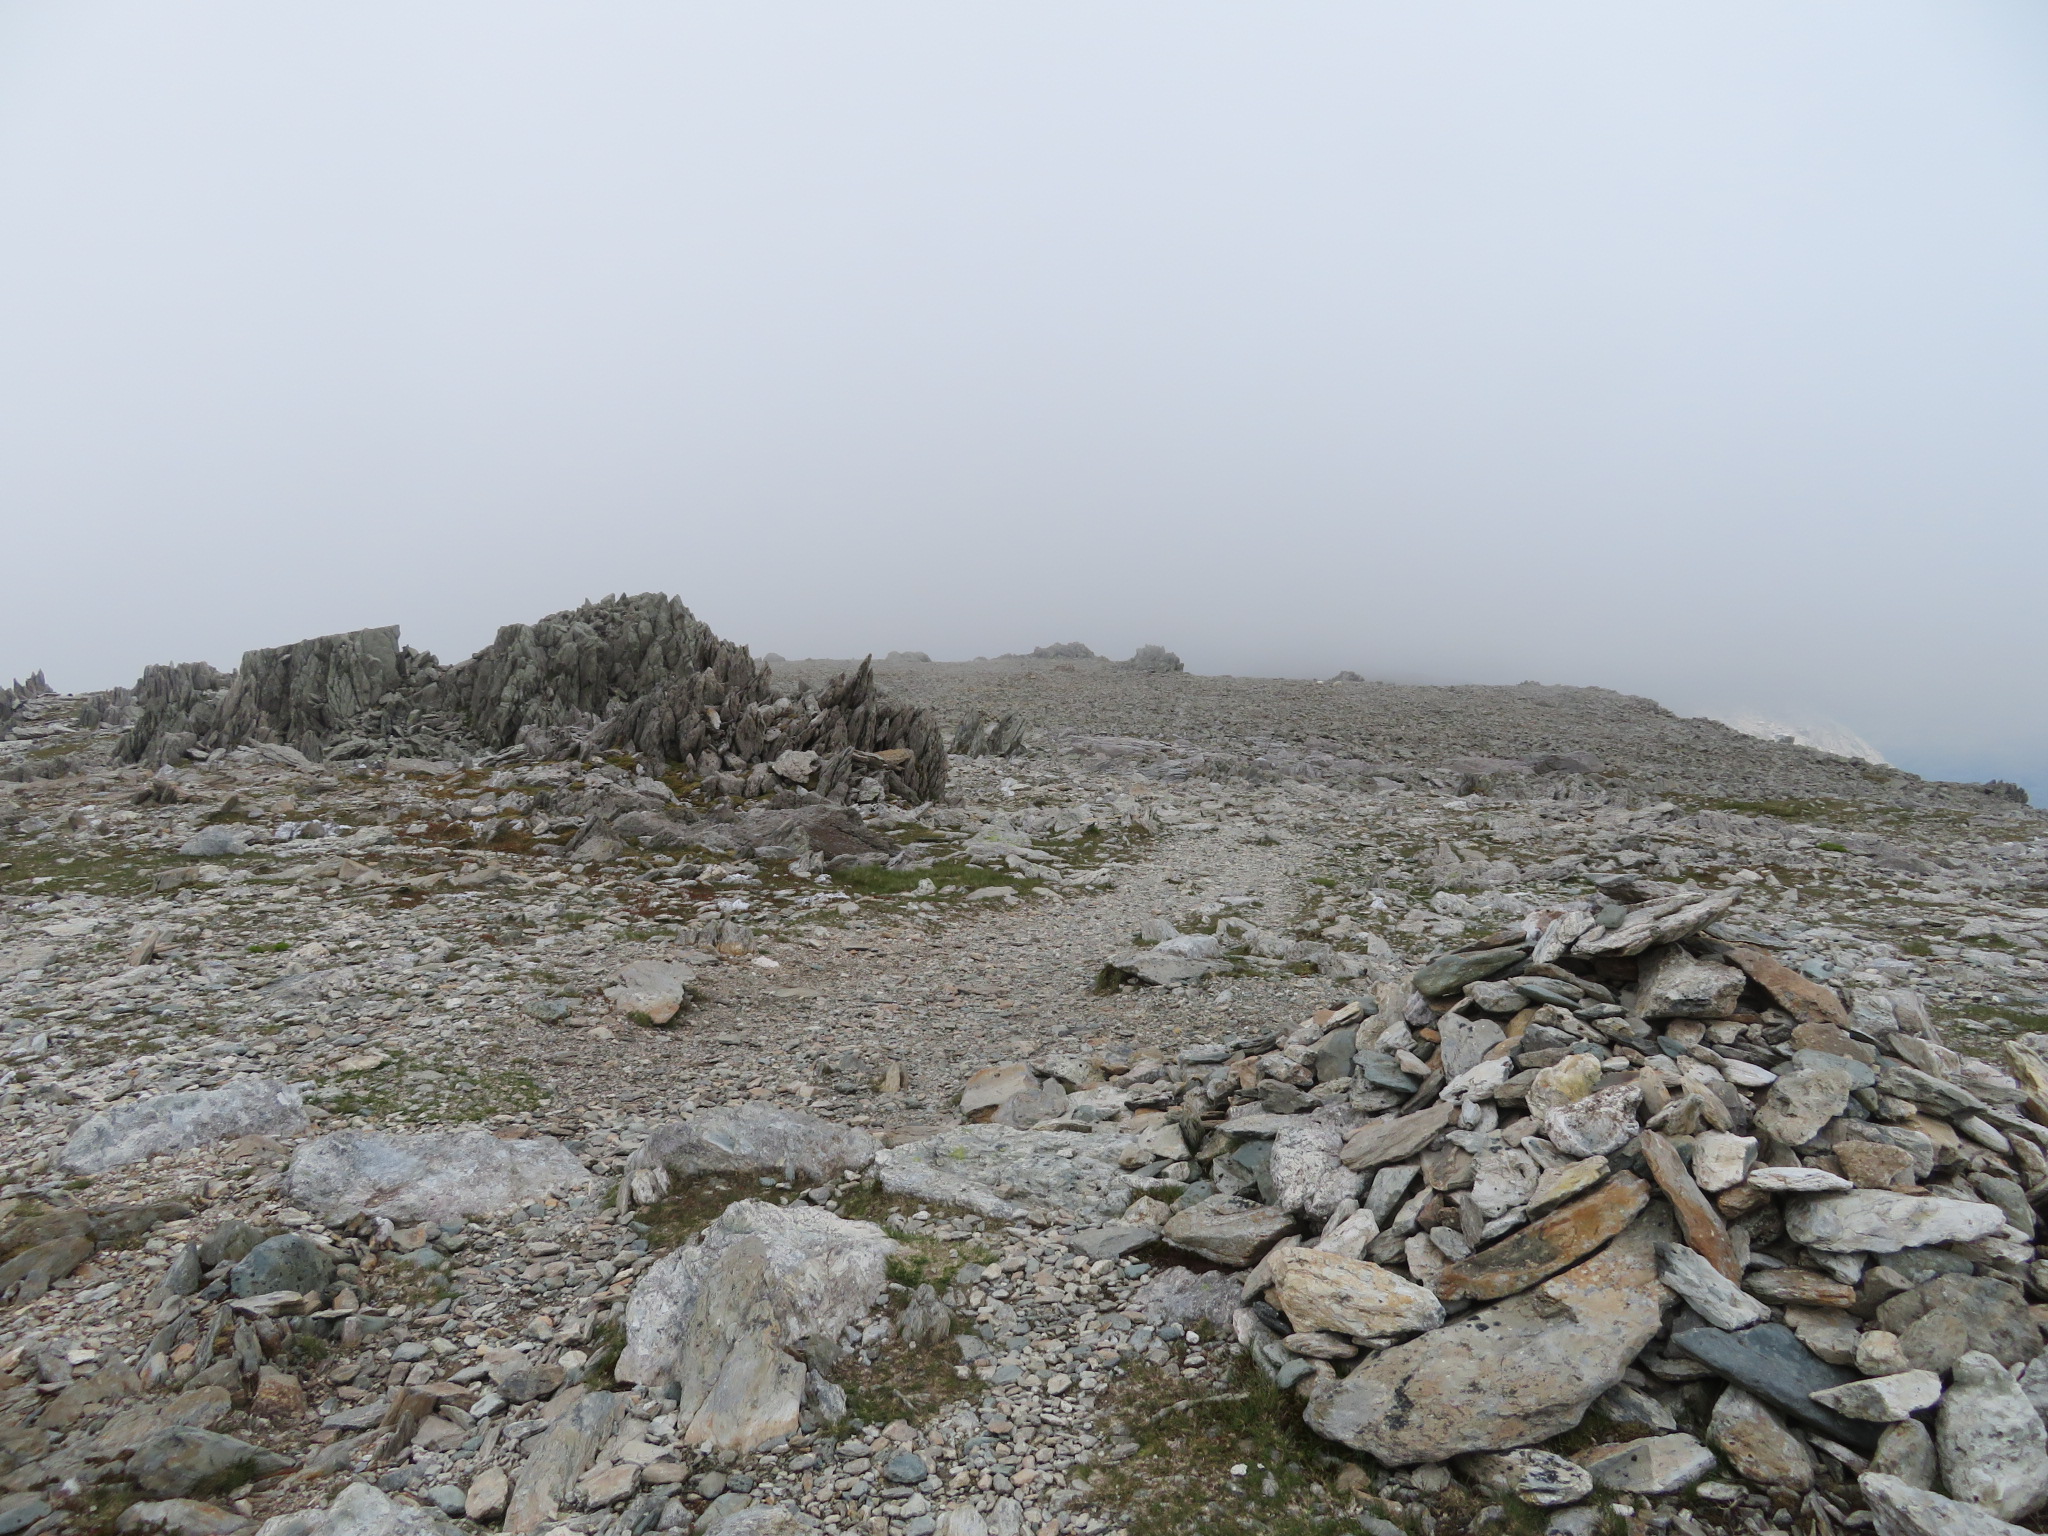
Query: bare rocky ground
(268, 1293)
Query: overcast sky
(1697, 350)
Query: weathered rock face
(174, 1122)
(1305, 1172)
(442, 1177)
(1516, 1372)
(1994, 1315)
(174, 706)
(749, 1138)
(304, 695)
(1537, 1477)
(179, 1462)
(1900, 1509)
(547, 1480)
(1175, 1295)
(720, 1318)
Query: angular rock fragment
(654, 989)
(1507, 1375)
(723, 1319)
(1673, 983)
(1319, 1290)
(362, 1510)
(1757, 1444)
(1883, 1399)
(1657, 1464)
(1544, 1247)
(1603, 1121)
(1769, 1362)
(1809, 1002)
(1704, 1230)
(1712, 1294)
(1390, 1141)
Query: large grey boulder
(1994, 1448)
(1507, 1375)
(1674, 983)
(176, 1122)
(305, 694)
(361, 1510)
(747, 1138)
(178, 1462)
(1002, 1172)
(441, 1177)
(724, 1319)
(1900, 1509)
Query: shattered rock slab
(446, 1176)
(1003, 1173)
(177, 1122)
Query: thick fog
(1695, 350)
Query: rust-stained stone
(1542, 1248)
(1705, 1233)
(1809, 1002)
(1800, 1288)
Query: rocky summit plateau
(618, 1084)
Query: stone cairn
(1618, 1164)
(626, 674)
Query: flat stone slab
(1769, 1362)
(1541, 1249)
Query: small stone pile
(1618, 1161)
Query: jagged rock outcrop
(305, 694)
(640, 674)
(174, 704)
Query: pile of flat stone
(1617, 1163)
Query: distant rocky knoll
(635, 673)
